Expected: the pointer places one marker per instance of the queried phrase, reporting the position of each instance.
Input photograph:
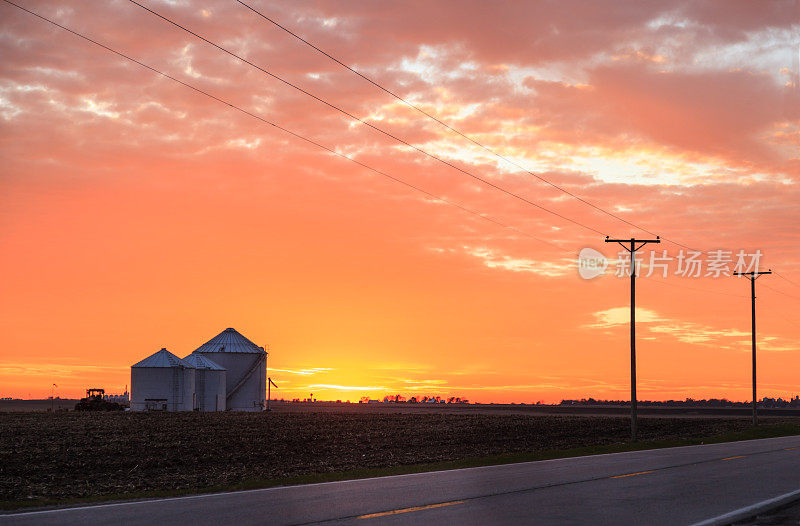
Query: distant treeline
(690, 402)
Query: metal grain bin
(209, 383)
(162, 382)
(246, 365)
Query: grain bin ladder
(246, 376)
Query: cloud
(655, 325)
(348, 387)
(53, 370)
(621, 315)
(303, 372)
(723, 115)
(494, 259)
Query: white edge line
(749, 511)
(422, 473)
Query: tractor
(94, 402)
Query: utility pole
(270, 383)
(753, 276)
(266, 371)
(632, 249)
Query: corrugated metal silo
(246, 365)
(209, 383)
(162, 382)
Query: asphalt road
(683, 485)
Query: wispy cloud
(687, 331)
(349, 387)
(303, 372)
(495, 259)
(620, 316)
(55, 369)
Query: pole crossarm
(753, 275)
(633, 241)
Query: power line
(344, 156)
(488, 149)
(787, 279)
(449, 127)
(362, 121)
(661, 282)
(394, 137)
(286, 130)
(781, 293)
(429, 116)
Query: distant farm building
(162, 382)
(229, 372)
(246, 366)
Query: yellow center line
(631, 475)
(791, 448)
(734, 458)
(406, 510)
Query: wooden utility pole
(266, 371)
(635, 244)
(753, 276)
(269, 391)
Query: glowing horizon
(138, 214)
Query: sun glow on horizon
(140, 214)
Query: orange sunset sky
(137, 214)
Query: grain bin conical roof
(229, 341)
(198, 361)
(163, 358)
